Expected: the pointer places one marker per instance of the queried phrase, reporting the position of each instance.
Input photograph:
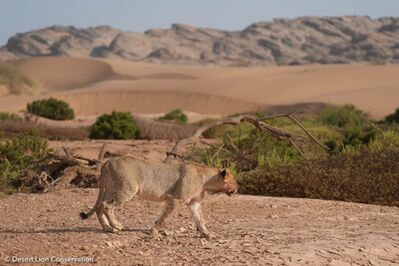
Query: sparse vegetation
(5, 116)
(51, 108)
(361, 166)
(176, 115)
(20, 154)
(249, 150)
(13, 79)
(118, 125)
(11, 128)
(367, 177)
(353, 124)
(342, 116)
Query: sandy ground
(105, 85)
(248, 231)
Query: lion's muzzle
(231, 192)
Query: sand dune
(106, 85)
(99, 101)
(62, 73)
(59, 73)
(372, 88)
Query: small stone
(333, 252)
(182, 230)
(166, 233)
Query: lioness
(122, 178)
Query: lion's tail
(100, 198)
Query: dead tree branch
(308, 133)
(101, 155)
(67, 153)
(260, 124)
(74, 158)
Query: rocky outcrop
(306, 40)
(60, 41)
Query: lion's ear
(223, 173)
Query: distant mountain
(305, 40)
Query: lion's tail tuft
(83, 215)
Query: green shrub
(367, 177)
(356, 136)
(342, 116)
(248, 150)
(13, 79)
(393, 118)
(18, 154)
(118, 125)
(352, 124)
(384, 140)
(4, 116)
(361, 166)
(51, 108)
(176, 115)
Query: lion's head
(223, 182)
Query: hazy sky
(133, 15)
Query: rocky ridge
(305, 40)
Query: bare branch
(101, 155)
(67, 153)
(90, 161)
(278, 116)
(260, 124)
(371, 124)
(217, 152)
(102, 152)
(279, 133)
(74, 157)
(66, 159)
(297, 147)
(232, 142)
(175, 155)
(307, 132)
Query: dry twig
(260, 124)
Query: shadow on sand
(71, 230)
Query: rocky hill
(305, 40)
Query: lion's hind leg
(103, 219)
(118, 196)
(109, 213)
(169, 207)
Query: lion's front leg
(195, 208)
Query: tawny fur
(123, 178)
